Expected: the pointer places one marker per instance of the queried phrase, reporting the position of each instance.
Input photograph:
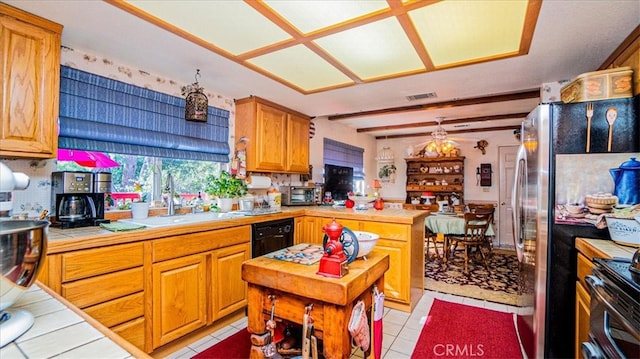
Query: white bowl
(361, 201)
(366, 242)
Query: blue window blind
(102, 114)
(342, 154)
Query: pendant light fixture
(197, 104)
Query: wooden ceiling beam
(508, 116)
(514, 96)
(470, 130)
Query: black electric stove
(618, 269)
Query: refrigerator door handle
(517, 201)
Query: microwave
(298, 196)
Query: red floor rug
(460, 331)
(236, 346)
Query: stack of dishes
(600, 202)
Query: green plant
(225, 186)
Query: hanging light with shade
(439, 143)
(197, 104)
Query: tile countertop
(603, 248)
(62, 240)
(61, 330)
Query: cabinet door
(179, 297)
(297, 144)
(396, 282)
(312, 230)
(30, 78)
(270, 138)
(583, 304)
(229, 291)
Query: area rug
(499, 284)
(237, 346)
(460, 331)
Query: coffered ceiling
(385, 67)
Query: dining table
(448, 223)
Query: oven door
(611, 335)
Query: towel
(121, 226)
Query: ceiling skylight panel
(301, 67)
(373, 50)
(462, 31)
(230, 25)
(308, 16)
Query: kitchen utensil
(23, 244)
(626, 180)
(270, 350)
(589, 115)
(612, 114)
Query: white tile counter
(63, 331)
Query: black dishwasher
(267, 237)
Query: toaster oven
(298, 195)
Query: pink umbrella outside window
(87, 158)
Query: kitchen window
(144, 131)
(148, 175)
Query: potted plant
(226, 188)
(140, 207)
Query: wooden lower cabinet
(196, 280)
(583, 302)
(179, 297)
(156, 290)
(106, 282)
(228, 290)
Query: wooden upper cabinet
(277, 138)
(298, 144)
(30, 53)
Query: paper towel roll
(258, 182)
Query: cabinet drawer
(86, 292)
(174, 247)
(119, 310)
(584, 268)
(132, 331)
(92, 262)
(397, 232)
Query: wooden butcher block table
(297, 285)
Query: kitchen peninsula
(142, 271)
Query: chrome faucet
(171, 188)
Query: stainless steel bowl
(23, 245)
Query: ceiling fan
(439, 144)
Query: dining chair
(484, 208)
(433, 238)
(475, 229)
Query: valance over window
(342, 154)
(102, 114)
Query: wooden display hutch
(440, 175)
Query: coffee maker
(78, 198)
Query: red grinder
(333, 262)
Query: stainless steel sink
(163, 221)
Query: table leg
(255, 321)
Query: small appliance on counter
(298, 195)
(334, 261)
(78, 198)
(9, 182)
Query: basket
(625, 231)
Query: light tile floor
(401, 329)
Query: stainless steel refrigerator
(557, 135)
